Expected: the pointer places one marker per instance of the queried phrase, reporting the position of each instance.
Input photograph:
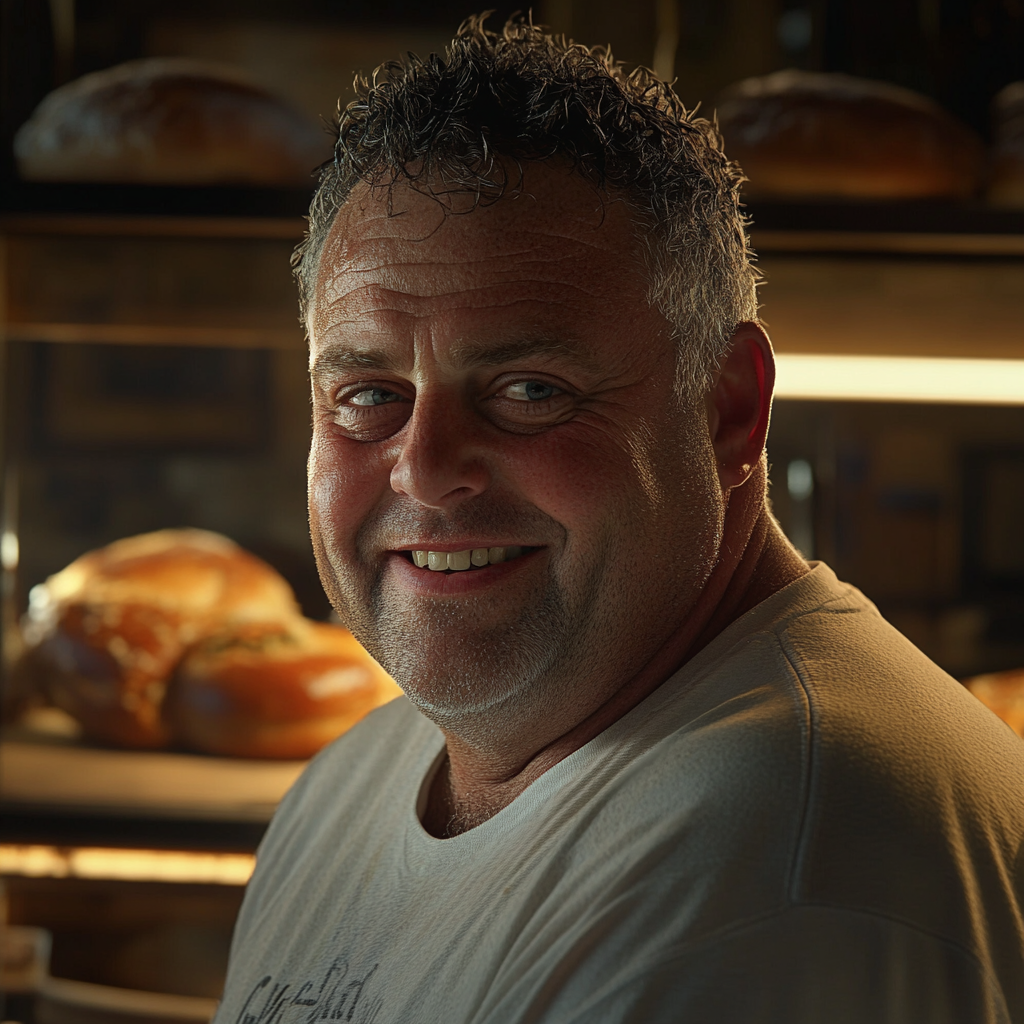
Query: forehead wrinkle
(387, 255)
(385, 264)
(379, 303)
(390, 267)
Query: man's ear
(739, 403)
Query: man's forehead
(408, 239)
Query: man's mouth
(460, 561)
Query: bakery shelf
(850, 304)
(900, 279)
(921, 218)
(887, 243)
(69, 793)
(147, 280)
(132, 225)
(153, 200)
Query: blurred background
(153, 375)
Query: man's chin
(462, 678)
(463, 661)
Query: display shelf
(148, 280)
(917, 218)
(157, 200)
(71, 793)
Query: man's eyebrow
(463, 356)
(340, 360)
(495, 354)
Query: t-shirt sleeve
(805, 965)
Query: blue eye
(374, 396)
(532, 391)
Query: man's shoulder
(822, 761)
(913, 788)
(875, 701)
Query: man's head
(463, 126)
(489, 372)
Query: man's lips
(456, 581)
(470, 557)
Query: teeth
(462, 560)
(459, 559)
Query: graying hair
(464, 124)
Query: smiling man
(652, 766)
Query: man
(652, 766)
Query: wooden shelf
(886, 243)
(69, 793)
(844, 304)
(133, 225)
(154, 200)
(151, 783)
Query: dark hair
(465, 122)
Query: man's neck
(755, 561)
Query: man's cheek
(569, 476)
(341, 491)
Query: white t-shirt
(809, 822)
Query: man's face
(498, 380)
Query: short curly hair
(463, 123)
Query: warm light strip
(900, 379)
(126, 865)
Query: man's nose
(440, 464)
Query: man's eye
(374, 396)
(531, 391)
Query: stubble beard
(467, 676)
(470, 677)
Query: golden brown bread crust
(108, 665)
(1006, 174)
(168, 121)
(801, 135)
(274, 690)
(111, 627)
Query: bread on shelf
(801, 135)
(181, 637)
(274, 689)
(169, 121)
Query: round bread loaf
(266, 690)
(801, 135)
(168, 121)
(111, 627)
(1003, 693)
(1006, 176)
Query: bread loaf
(800, 135)
(274, 690)
(111, 627)
(168, 121)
